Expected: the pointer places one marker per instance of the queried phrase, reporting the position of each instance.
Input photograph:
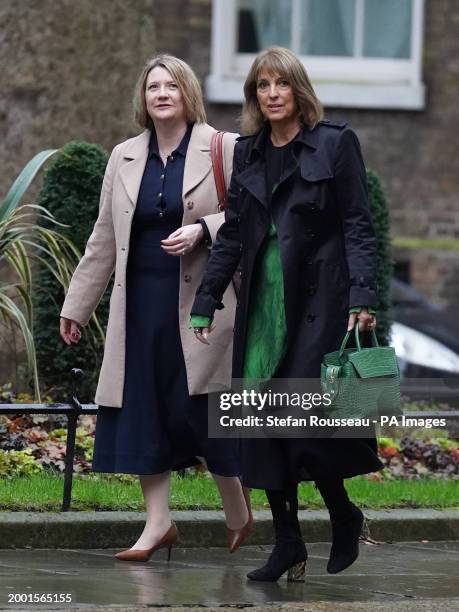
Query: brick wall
(67, 71)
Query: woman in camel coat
(158, 218)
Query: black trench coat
(328, 253)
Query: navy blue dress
(159, 427)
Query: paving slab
(385, 577)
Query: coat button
(311, 317)
(126, 211)
(309, 262)
(161, 214)
(189, 205)
(118, 285)
(240, 247)
(123, 248)
(187, 278)
(240, 273)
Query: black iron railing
(72, 410)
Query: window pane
(387, 28)
(328, 27)
(262, 23)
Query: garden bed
(33, 444)
(421, 470)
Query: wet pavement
(386, 577)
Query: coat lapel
(198, 162)
(133, 166)
(313, 165)
(254, 180)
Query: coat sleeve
(225, 254)
(213, 222)
(359, 237)
(95, 269)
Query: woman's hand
(183, 240)
(367, 322)
(201, 333)
(70, 331)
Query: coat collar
(135, 156)
(307, 154)
(198, 162)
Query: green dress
(267, 327)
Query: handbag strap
(216, 155)
(374, 339)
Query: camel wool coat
(107, 251)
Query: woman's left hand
(183, 240)
(367, 322)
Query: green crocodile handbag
(361, 382)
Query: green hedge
(70, 191)
(384, 270)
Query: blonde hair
(281, 61)
(187, 82)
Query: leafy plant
(18, 463)
(412, 457)
(22, 242)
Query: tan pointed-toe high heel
(235, 537)
(169, 538)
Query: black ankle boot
(287, 555)
(345, 547)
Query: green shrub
(384, 266)
(18, 463)
(70, 191)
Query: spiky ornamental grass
(23, 243)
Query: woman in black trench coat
(298, 193)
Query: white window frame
(355, 82)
